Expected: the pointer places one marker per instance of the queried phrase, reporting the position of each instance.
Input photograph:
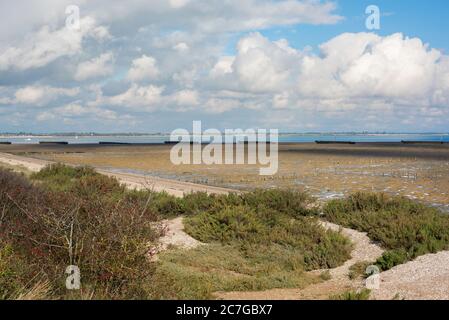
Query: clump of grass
(406, 228)
(325, 275)
(363, 294)
(358, 270)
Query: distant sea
(292, 138)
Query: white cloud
(78, 110)
(367, 65)
(260, 65)
(174, 56)
(176, 4)
(97, 67)
(40, 95)
(181, 47)
(72, 109)
(45, 116)
(186, 98)
(223, 67)
(217, 105)
(139, 98)
(352, 70)
(143, 68)
(46, 45)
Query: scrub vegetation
(258, 240)
(407, 229)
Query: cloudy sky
(156, 65)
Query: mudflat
(417, 171)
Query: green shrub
(90, 186)
(358, 270)
(243, 225)
(60, 177)
(363, 294)
(406, 228)
(392, 258)
(291, 202)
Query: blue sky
(294, 65)
(427, 20)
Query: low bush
(61, 177)
(244, 226)
(47, 230)
(406, 228)
(363, 294)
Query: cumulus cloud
(76, 109)
(143, 68)
(72, 112)
(351, 70)
(98, 67)
(181, 47)
(135, 60)
(139, 98)
(186, 98)
(178, 3)
(367, 65)
(262, 65)
(46, 45)
(40, 95)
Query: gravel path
(364, 250)
(174, 236)
(425, 278)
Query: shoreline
(135, 181)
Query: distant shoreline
(283, 138)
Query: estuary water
(285, 138)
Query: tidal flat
(419, 172)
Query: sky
(157, 65)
